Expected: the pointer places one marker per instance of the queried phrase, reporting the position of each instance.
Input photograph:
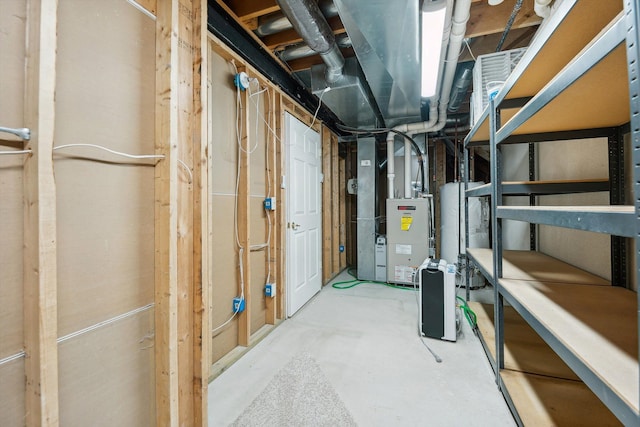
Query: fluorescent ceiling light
(432, 30)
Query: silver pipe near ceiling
(311, 25)
(278, 22)
(302, 50)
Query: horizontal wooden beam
(289, 37)
(247, 9)
(485, 19)
(519, 37)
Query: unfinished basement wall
(12, 87)
(248, 154)
(104, 210)
(578, 159)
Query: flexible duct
(278, 22)
(302, 50)
(311, 25)
(439, 104)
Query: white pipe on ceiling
(439, 103)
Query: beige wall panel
(580, 159)
(105, 96)
(12, 392)
(107, 375)
(224, 146)
(12, 51)
(258, 138)
(587, 250)
(258, 264)
(224, 277)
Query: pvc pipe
(407, 169)
(542, 8)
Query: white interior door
(304, 213)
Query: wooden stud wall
(89, 321)
(258, 112)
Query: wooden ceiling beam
(485, 19)
(248, 9)
(289, 37)
(483, 45)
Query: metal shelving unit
(591, 325)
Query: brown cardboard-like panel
(223, 119)
(105, 96)
(12, 57)
(258, 264)
(12, 392)
(524, 350)
(107, 375)
(224, 279)
(544, 401)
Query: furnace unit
(407, 238)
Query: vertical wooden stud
(166, 215)
(342, 211)
(243, 213)
(272, 176)
(335, 214)
(201, 312)
(281, 215)
(327, 211)
(40, 281)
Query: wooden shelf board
(545, 401)
(598, 324)
(546, 58)
(530, 265)
(524, 350)
(517, 188)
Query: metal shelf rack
(578, 79)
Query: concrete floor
(365, 342)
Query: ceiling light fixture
(433, 18)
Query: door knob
(294, 225)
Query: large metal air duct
(307, 19)
(277, 22)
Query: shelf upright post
(615, 143)
(496, 234)
(467, 279)
(533, 239)
(633, 58)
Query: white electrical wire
(188, 169)
(9, 153)
(117, 153)
(327, 89)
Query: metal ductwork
(302, 50)
(311, 25)
(277, 22)
(461, 83)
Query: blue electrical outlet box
(270, 290)
(238, 305)
(270, 203)
(341, 248)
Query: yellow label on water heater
(405, 223)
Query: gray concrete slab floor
(365, 342)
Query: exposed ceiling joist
(246, 10)
(308, 62)
(485, 19)
(520, 37)
(290, 37)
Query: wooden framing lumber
(280, 202)
(40, 273)
(342, 187)
(243, 219)
(181, 189)
(335, 207)
(166, 215)
(271, 303)
(201, 162)
(327, 256)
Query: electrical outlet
(270, 290)
(238, 304)
(270, 203)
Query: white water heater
(452, 221)
(407, 238)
